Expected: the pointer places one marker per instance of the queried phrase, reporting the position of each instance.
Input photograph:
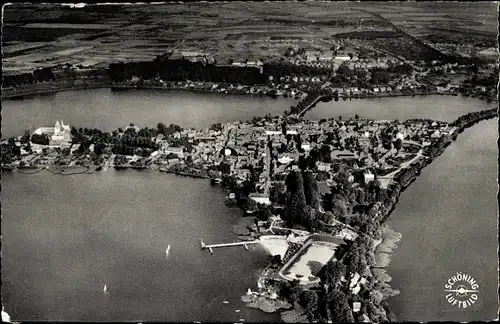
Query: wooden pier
(210, 247)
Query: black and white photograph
(250, 162)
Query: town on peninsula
(314, 194)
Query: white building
(369, 177)
(323, 166)
(179, 151)
(306, 147)
(59, 134)
(260, 199)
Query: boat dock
(210, 247)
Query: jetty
(210, 247)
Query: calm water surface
(65, 237)
(108, 110)
(437, 107)
(448, 218)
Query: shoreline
(384, 249)
(402, 180)
(20, 95)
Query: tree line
(182, 70)
(37, 76)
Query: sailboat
(105, 289)
(167, 250)
(5, 316)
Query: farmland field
(246, 26)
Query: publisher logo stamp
(461, 290)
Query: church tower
(57, 128)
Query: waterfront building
(179, 151)
(260, 198)
(59, 134)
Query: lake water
(108, 110)
(448, 219)
(437, 107)
(65, 237)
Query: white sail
(105, 289)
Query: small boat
(105, 289)
(225, 302)
(237, 310)
(167, 250)
(249, 292)
(5, 316)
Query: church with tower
(59, 134)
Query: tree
(161, 128)
(276, 192)
(327, 217)
(398, 144)
(295, 208)
(332, 273)
(339, 208)
(294, 182)
(216, 127)
(309, 217)
(309, 300)
(26, 137)
(325, 154)
(265, 213)
(356, 116)
(342, 179)
(276, 260)
(376, 315)
(339, 307)
(311, 190)
(376, 297)
(251, 205)
(283, 127)
(291, 290)
(99, 148)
